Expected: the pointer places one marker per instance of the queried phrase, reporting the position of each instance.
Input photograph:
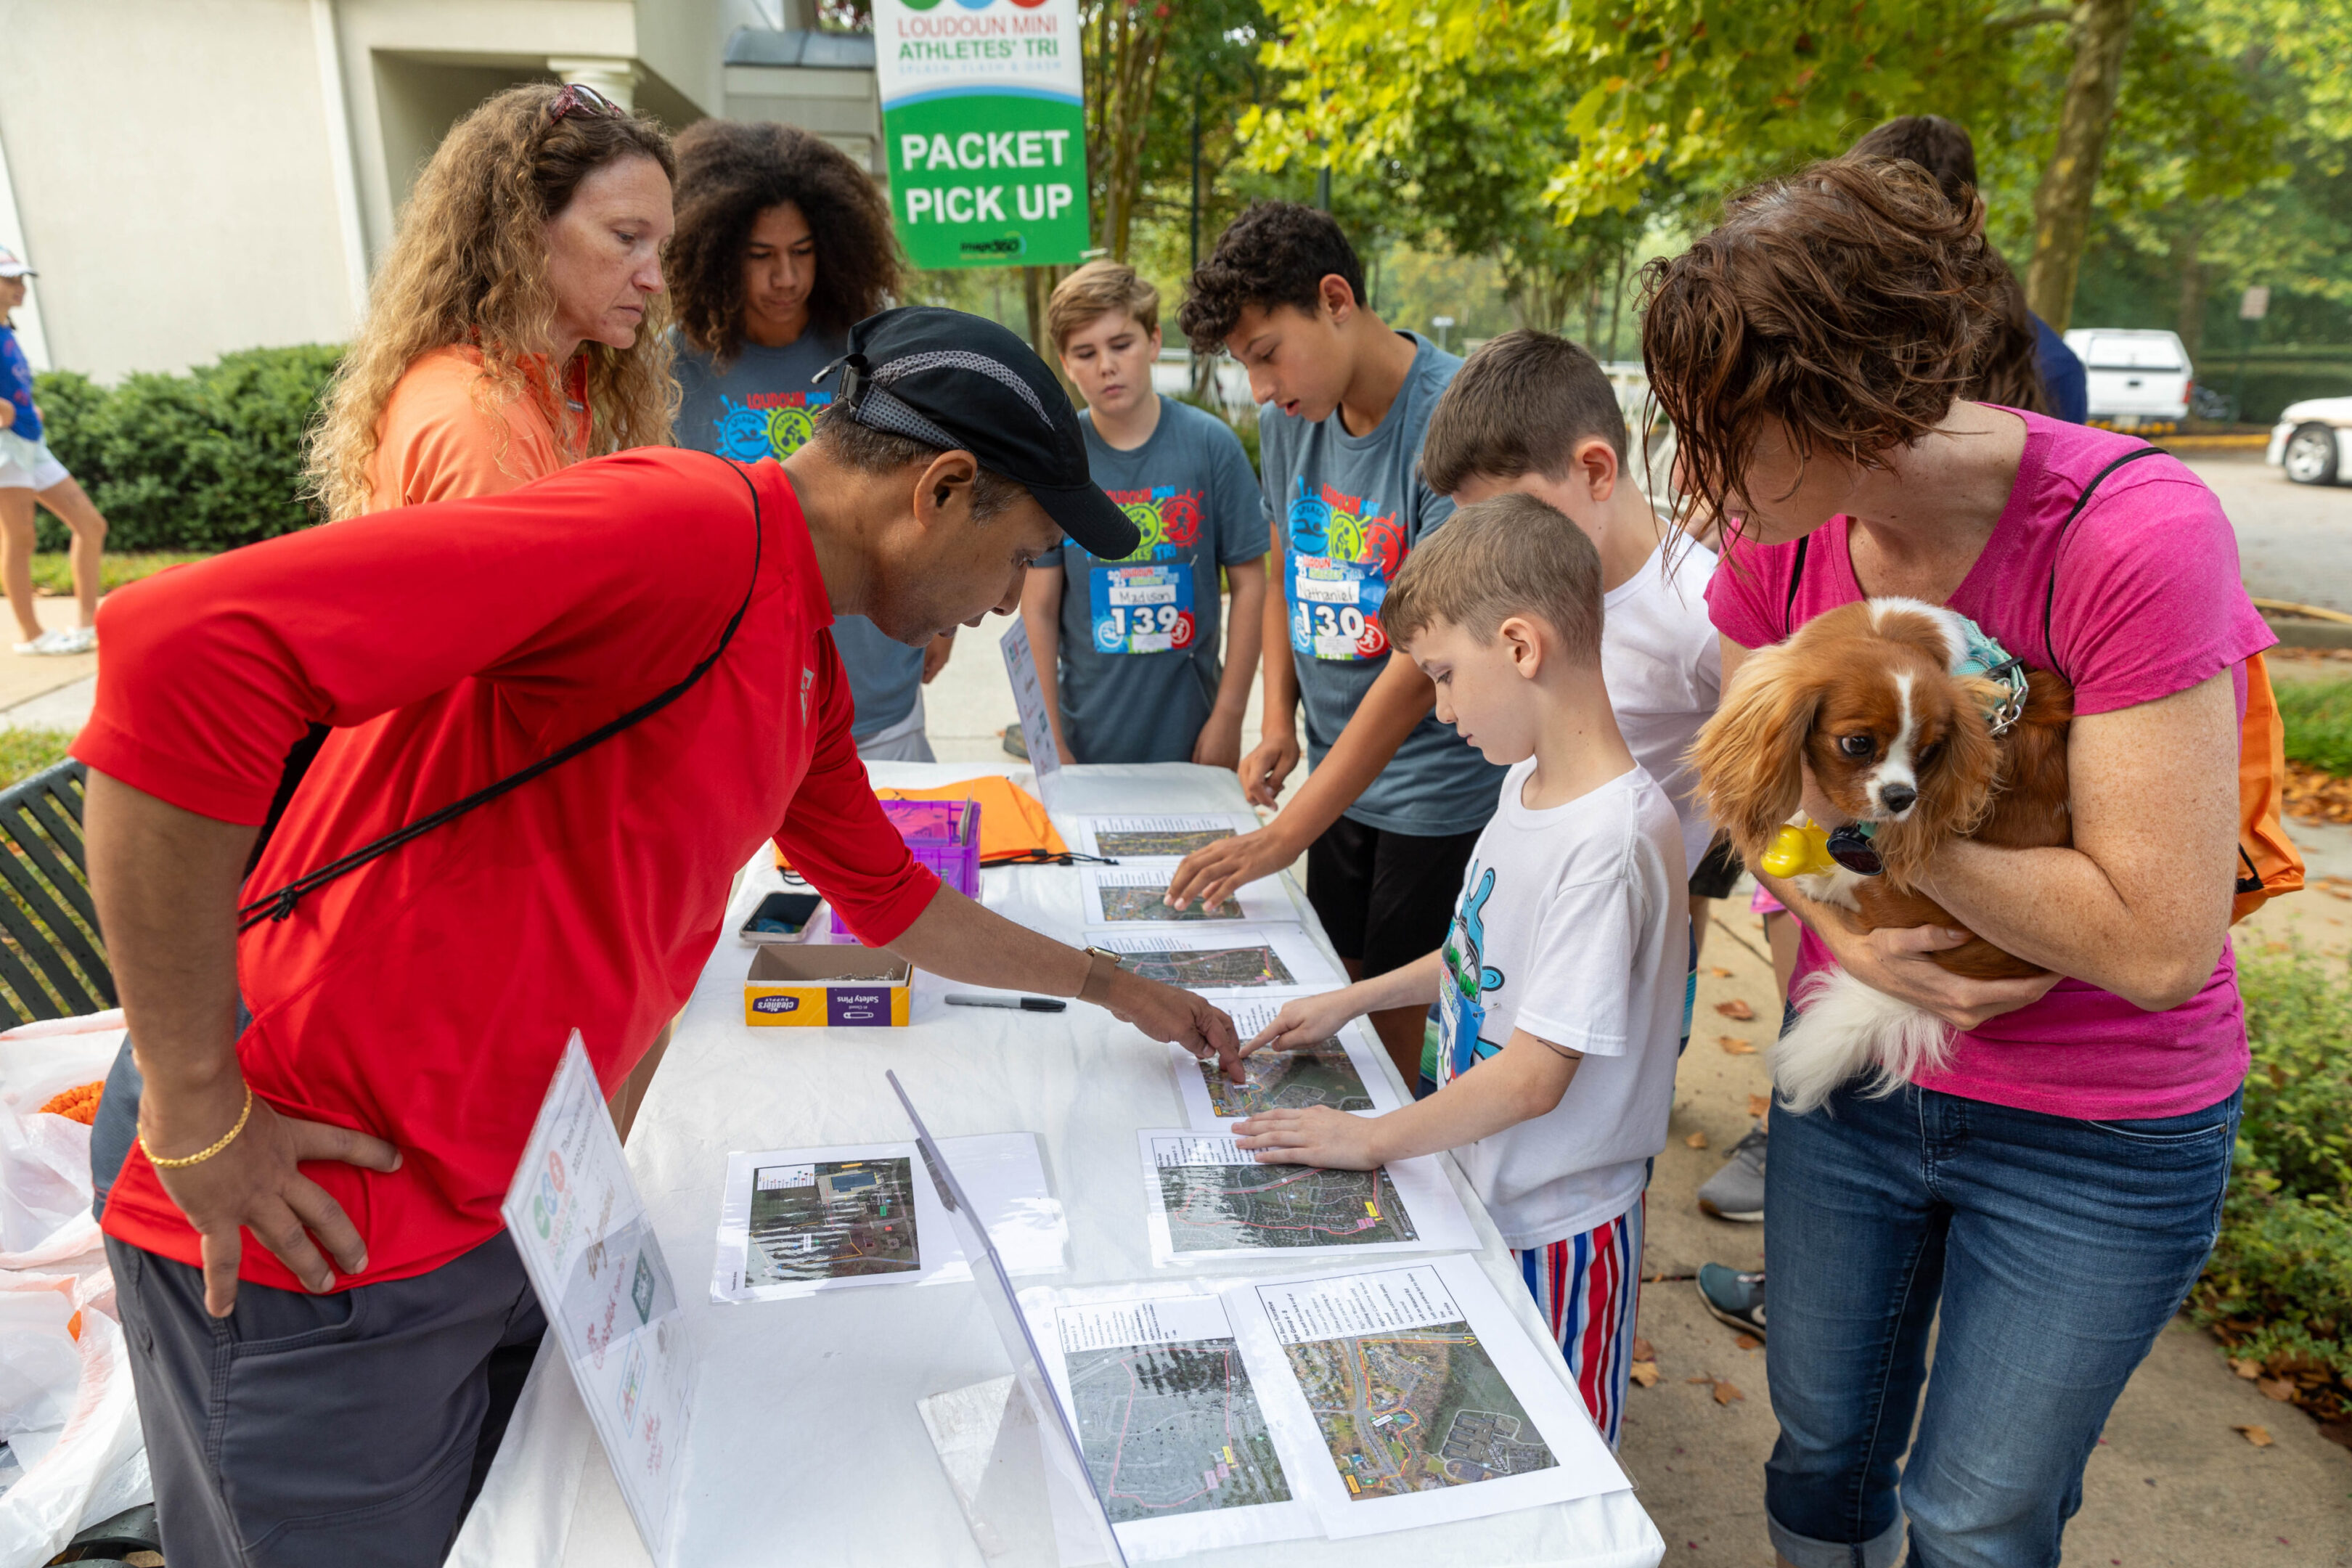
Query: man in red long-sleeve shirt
(320, 1396)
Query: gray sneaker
(1733, 1299)
(1737, 1192)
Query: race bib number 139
(1335, 608)
(1141, 609)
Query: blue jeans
(2055, 1251)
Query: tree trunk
(2061, 203)
(1127, 43)
(2189, 319)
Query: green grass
(2319, 715)
(2278, 1288)
(24, 753)
(53, 574)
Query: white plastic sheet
(807, 1443)
(66, 1410)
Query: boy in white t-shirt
(1561, 984)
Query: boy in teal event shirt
(1127, 650)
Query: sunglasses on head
(585, 101)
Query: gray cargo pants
(302, 1430)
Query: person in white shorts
(29, 473)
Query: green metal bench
(52, 959)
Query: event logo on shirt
(1168, 519)
(767, 424)
(808, 678)
(1344, 552)
(1467, 979)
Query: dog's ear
(1956, 787)
(1750, 755)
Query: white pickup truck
(2139, 379)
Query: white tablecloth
(807, 1447)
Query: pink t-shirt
(2148, 603)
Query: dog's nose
(1897, 797)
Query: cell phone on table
(780, 917)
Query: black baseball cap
(960, 382)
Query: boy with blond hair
(1126, 649)
(1559, 987)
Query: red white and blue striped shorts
(1587, 1287)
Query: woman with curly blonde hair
(517, 326)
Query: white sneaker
(45, 642)
(80, 639)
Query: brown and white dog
(1871, 698)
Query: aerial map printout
(1210, 1197)
(831, 1219)
(1427, 1402)
(793, 1222)
(1169, 1416)
(1116, 895)
(1221, 961)
(1340, 1072)
(1157, 838)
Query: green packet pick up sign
(984, 110)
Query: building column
(614, 77)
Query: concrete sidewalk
(2172, 1482)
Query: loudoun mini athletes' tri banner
(984, 113)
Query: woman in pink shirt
(2052, 1195)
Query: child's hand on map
(1304, 1021)
(1317, 1135)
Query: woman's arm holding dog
(2140, 904)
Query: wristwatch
(1102, 966)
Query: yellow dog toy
(1799, 852)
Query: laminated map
(1212, 1198)
(793, 1222)
(1395, 1394)
(1220, 960)
(1164, 838)
(1345, 1072)
(1119, 894)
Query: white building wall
(172, 179)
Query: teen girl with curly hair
(515, 327)
(783, 242)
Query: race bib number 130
(1141, 609)
(1335, 608)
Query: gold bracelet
(228, 1138)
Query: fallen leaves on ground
(2258, 1435)
(2317, 796)
(1724, 1392)
(1719, 972)
(1645, 1372)
(1736, 1009)
(1696, 1141)
(1735, 1045)
(2279, 1388)
(2247, 1369)
(1759, 1106)
(1748, 1341)
(1644, 1350)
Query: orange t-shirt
(436, 443)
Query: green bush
(2279, 1284)
(2319, 715)
(205, 461)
